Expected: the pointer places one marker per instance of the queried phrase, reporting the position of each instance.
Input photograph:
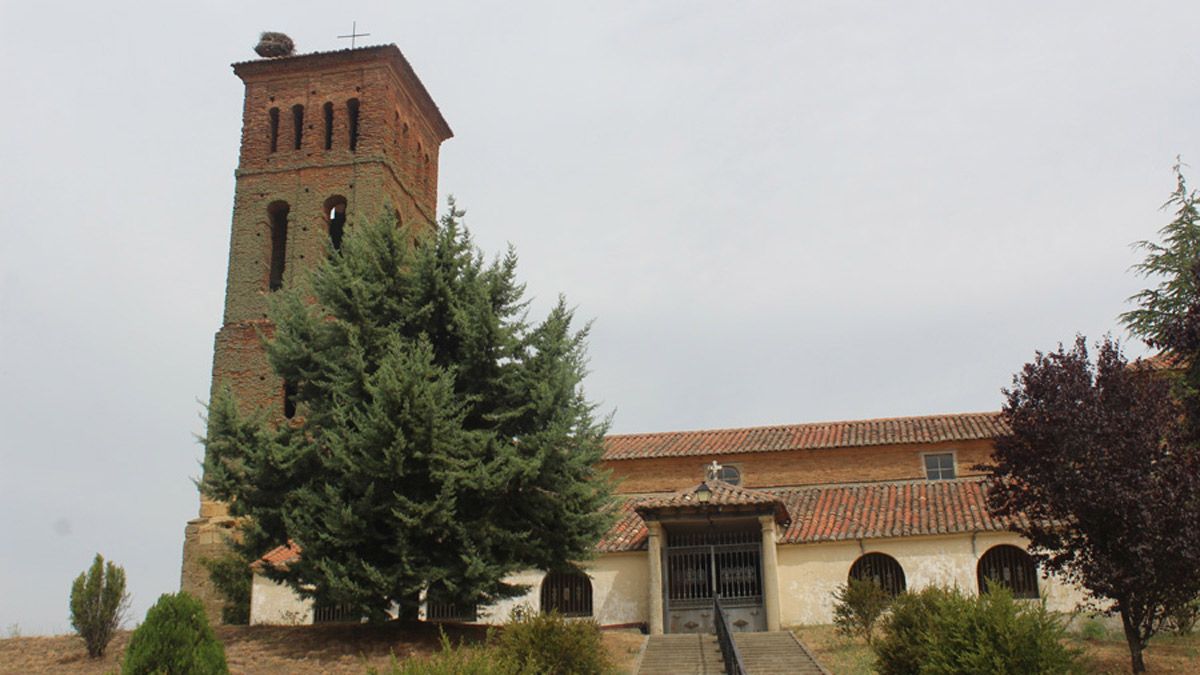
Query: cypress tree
(440, 438)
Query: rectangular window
(939, 466)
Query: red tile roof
(847, 512)
(817, 513)
(876, 510)
(628, 533)
(280, 556)
(815, 435)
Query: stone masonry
(351, 131)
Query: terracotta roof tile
(629, 533)
(843, 512)
(280, 556)
(817, 513)
(838, 513)
(815, 435)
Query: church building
(770, 519)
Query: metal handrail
(729, 650)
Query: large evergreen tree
(1168, 314)
(440, 440)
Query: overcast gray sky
(775, 212)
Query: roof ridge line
(804, 424)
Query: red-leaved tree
(1098, 476)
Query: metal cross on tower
(353, 34)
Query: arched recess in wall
(334, 211)
(289, 399)
(297, 126)
(883, 570)
(273, 119)
(327, 111)
(352, 109)
(1011, 566)
(568, 592)
(277, 217)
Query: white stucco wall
(810, 573)
(808, 576)
(620, 583)
(276, 604)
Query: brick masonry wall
(391, 170)
(798, 467)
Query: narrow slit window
(352, 122)
(274, 116)
(335, 217)
(278, 214)
(289, 399)
(298, 123)
(328, 109)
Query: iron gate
(703, 565)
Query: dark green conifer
(440, 439)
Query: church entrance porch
(704, 563)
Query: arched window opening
(298, 123)
(1011, 566)
(883, 570)
(729, 474)
(335, 218)
(568, 593)
(328, 110)
(278, 214)
(274, 116)
(352, 122)
(289, 399)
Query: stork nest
(274, 45)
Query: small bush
(858, 606)
(548, 643)
(454, 660)
(98, 604)
(940, 631)
(1093, 629)
(175, 638)
(1182, 619)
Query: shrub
(1182, 618)
(98, 604)
(548, 643)
(1093, 629)
(941, 631)
(175, 638)
(858, 606)
(454, 660)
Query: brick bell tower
(328, 140)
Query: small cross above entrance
(353, 34)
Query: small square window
(939, 466)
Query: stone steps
(775, 653)
(682, 654)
